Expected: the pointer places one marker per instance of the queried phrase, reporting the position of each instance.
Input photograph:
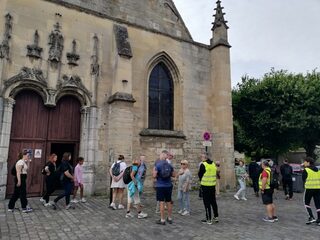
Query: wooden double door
(44, 130)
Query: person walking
(20, 183)
(254, 172)
(135, 189)
(286, 173)
(117, 184)
(267, 192)
(51, 179)
(241, 175)
(163, 171)
(184, 186)
(78, 181)
(66, 178)
(311, 179)
(207, 175)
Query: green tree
(277, 113)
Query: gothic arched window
(160, 98)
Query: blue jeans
(184, 200)
(242, 191)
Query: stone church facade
(101, 78)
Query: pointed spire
(219, 17)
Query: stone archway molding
(33, 79)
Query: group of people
(71, 179)
(264, 179)
(164, 175)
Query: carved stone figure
(73, 57)
(4, 46)
(94, 64)
(34, 51)
(56, 44)
(122, 40)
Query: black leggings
(209, 200)
(67, 186)
(50, 187)
(308, 195)
(255, 184)
(19, 192)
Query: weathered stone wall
(114, 127)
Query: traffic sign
(207, 143)
(207, 136)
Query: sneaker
(54, 206)
(42, 200)
(113, 206)
(209, 222)
(275, 218)
(74, 201)
(27, 210)
(10, 210)
(215, 219)
(169, 220)
(267, 219)
(310, 220)
(161, 222)
(185, 213)
(129, 215)
(204, 221)
(236, 197)
(257, 194)
(318, 222)
(120, 206)
(83, 200)
(180, 211)
(244, 199)
(70, 206)
(142, 215)
(47, 204)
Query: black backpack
(127, 175)
(274, 179)
(116, 169)
(14, 170)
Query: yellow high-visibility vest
(313, 179)
(209, 177)
(268, 170)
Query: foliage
(277, 113)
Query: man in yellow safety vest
(207, 175)
(267, 192)
(311, 178)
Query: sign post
(207, 140)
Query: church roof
(154, 15)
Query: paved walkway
(94, 220)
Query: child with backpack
(135, 188)
(117, 184)
(78, 181)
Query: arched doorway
(37, 127)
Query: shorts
(267, 196)
(135, 199)
(164, 194)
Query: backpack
(165, 171)
(127, 175)
(43, 170)
(13, 169)
(274, 179)
(116, 169)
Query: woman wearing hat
(184, 186)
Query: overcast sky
(284, 34)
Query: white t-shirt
(24, 165)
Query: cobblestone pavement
(94, 220)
